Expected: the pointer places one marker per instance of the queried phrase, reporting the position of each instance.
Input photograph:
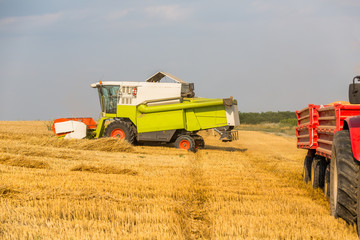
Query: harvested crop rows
(108, 189)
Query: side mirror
(354, 91)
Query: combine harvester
(331, 134)
(154, 112)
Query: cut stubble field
(107, 189)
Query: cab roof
(160, 75)
(154, 78)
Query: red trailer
(331, 134)
(308, 121)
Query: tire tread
(347, 174)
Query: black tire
(344, 170)
(327, 182)
(202, 143)
(199, 141)
(120, 129)
(185, 142)
(307, 169)
(317, 172)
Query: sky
(270, 55)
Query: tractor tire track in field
(292, 178)
(193, 216)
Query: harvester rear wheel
(185, 142)
(307, 169)
(317, 172)
(199, 141)
(344, 170)
(120, 129)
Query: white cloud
(168, 12)
(351, 3)
(37, 20)
(295, 9)
(117, 14)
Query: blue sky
(270, 55)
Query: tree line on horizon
(282, 117)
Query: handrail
(159, 100)
(178, 106)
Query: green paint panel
(192, 123)
(127, 112)
(99, 132)
(160, 121)
(191, 115)
(210, 117)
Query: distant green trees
(283, 117)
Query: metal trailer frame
(306, 130)
(331, 120)
(318, 124)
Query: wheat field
(107, 189)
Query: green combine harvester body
(162, 112)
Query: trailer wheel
(120, 129)
(185, 142)
(317, 172)
(344, 170)
(327, 182)
(307, 169)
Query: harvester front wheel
(185, 142)
(344, 170)
(120, 129)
